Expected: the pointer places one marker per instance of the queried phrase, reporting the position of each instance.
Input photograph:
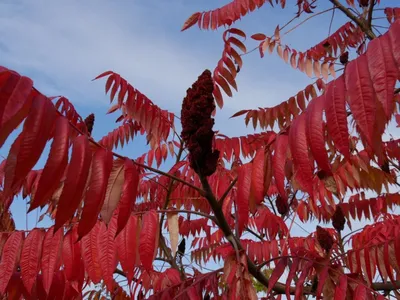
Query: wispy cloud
(63, 45)
(66, 44)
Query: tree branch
(370, 11)
(386, 286)
(199, 213)
(359, 21)
(163, 245)
(235, 242)
(141, 165)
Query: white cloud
(69, 43)
(65, 44)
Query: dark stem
(370, 11)
(221, 200)
(163, 245)
(235, 242)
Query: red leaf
(383, 72)
(336, 115)
(218, 96)
(243, 195)
(292, 273)
(75, 182)
(15, 288)
(129, 193)
(223, 84)
(393, 33)
(108, 252)
(267, 171)
(71, 253)
(15, 101)
(276, 274)
(128, 246)
(51, 256)
(316, 133)
(299, 149)
(302, 278)
(321, 280)
(239, 113)
(149, 239)
(361, 96)
(100, 172)
(34, 136)
(257, 181)
(279, 162)
(58, 286)
(30, 258)
(193, 19)
(55, 164)
(104, 74)
(361, 292)
(114, 190)
(9, 258)
(259, 36)
(90, 254)
(341, 288)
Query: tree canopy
(321, 158)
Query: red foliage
(234, 199)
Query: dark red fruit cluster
(89, 122)
(197, 124)
(344, 58)
(338, 219)
(282, 205)
(324, 238)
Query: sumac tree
(316, 156)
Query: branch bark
(361, 22)
(235, 242)
(370, 12)
(163, 245)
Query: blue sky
(62, 45)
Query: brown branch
(370, 11)
(359, 21)
(255, 270)
(187, 212)
(235, 242)
(166, 174)
(142, 165)
(167, 251)
(254, 233)
(386, 286)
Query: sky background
(63, 45)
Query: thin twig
(295, 17)
(142, 165)
(221, 200)
(226, 229)
(272, 205)
(310, 17)
(331, 22)
(187, 212)
(163, 244)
